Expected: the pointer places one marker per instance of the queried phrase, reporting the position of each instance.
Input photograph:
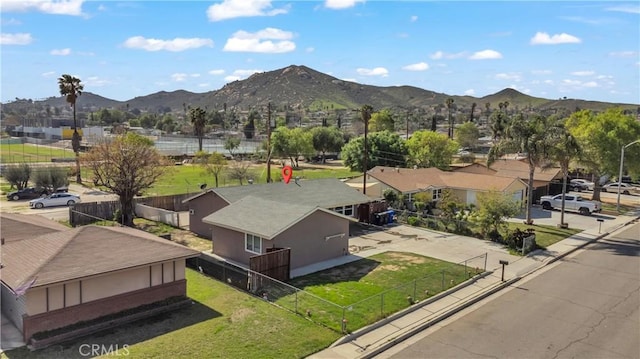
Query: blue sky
(123, 49)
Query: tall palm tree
(473, 109)
(565, 150)
(365, 115)
(198, 119)
(533, 136)
(71, 88)
(449, 104)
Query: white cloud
(175, 45)
(625, 8)
(310, 49)
(438, 55)
(420, 66)
(577, 84)
(243, 41)
(10, 22)
(240, 74)
(179, 77)
(378, 71)
(230, 9)
(512, 76)
(61, 52)
(15, 39)
(95, 81)
(624, 54)
(541, 72)
(204, 85)
(583, 73)
(470, 92)
(542, 38)
(216, 72)
(548, 82)
(590, 84)
(66, 7)
(413, 18)
(49, 74)
(341, 4)
(486, 55)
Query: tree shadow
(618, 247)
(116, 341)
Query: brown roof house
(60, 276)
(311, 217)
(465, 186)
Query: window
(348, 210)
(339, 210)
(437, 193)
(253, 243)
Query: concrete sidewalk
(378, 337)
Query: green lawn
(546, 235)
(18, 153)
(370, 289)
(222, 323)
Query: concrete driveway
(552, 218)
(10, 336)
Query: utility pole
(269, 142)
(407, 125)
(365, 113)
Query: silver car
(56, 199)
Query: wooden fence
(90, 212)
(275, 264)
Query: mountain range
(300, 87)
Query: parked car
(580, 184)
(571, 203)
(25, 193)
(625, 188)
(56, 199)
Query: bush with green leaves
(493, 210)
(18, 175)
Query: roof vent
(398, 169)
(382, 170)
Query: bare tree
(240, 171)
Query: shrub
(413, 221)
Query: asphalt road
(583, 306)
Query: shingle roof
(325, 193)
(82, 252)
(268, 218)
(409, 180)
(16, 227)
(520, 169)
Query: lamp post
(620, 173)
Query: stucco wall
(201, 207)
(57, 296)
(306, 240)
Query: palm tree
(449, 104)
(198, 118)
(71, 88)
(566, 149)
(473, 109)
(533, 136)
(365, 115)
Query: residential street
(583, 306)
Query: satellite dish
(203, 186)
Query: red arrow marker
(287, 172)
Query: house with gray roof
(54, 280)
(327, 193)
(310, 217)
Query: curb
(412, 331)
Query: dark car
(25, 193)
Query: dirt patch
(190, 240)
(389, 267)
(405, 257)
(240, 314)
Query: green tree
(381, 121)
(71, 88)
(601, 137)
(292, 143)
(148, 120)
(384, 149)
(127, 165)
(231, 144)
(493, 210)
(431, 149)
(326, 139)
(198, 119)
(213, 163)
(535, 137)
(50, 178)
(565, 150)
(467, 135)
(17, 175)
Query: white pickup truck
(572, 203)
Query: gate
(275, 263)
